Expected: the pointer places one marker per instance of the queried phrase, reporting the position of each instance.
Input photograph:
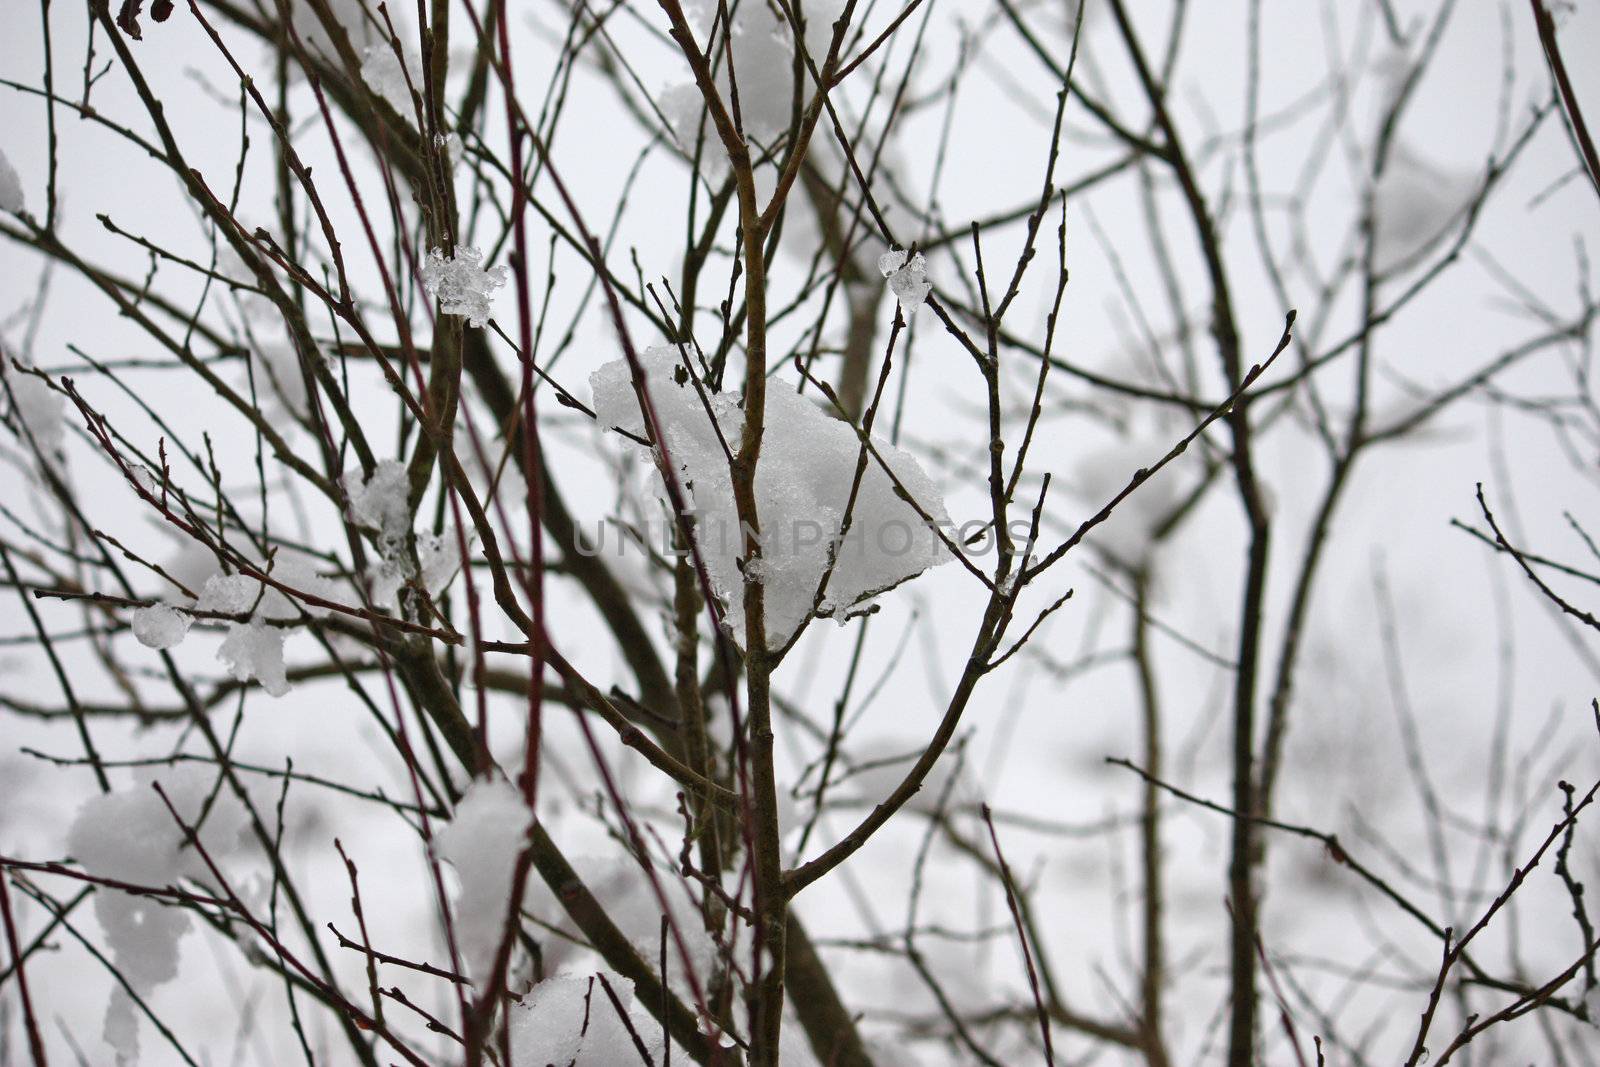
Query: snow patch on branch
(482, 842)
(808, 464)
(762, 62)
(386, 76)
(1415, 206)
(228, 594)
(382, 501)
(11, 198)
(569, 1019)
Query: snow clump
(762, 61)
(160, 626)
(254, 650)
(251, 649)
(908, 278)
(569, 1019)
(386, 76)
(482, 842)
(382, 501)
(1415, 205)
(228, 594)
(461, 286)
(130, 836)
(11, 198)
(803, 485)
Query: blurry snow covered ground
(1473, 640)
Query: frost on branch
(255, 650)
(160, 625)
(130, 836)
(10, 188)
(482, 842)
(908, 278)
(569, 1019)
(808, 463)
(461, 286)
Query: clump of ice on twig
(460, 284)
(482, 842)
(808, 463)
(908, 278)
(382, 501)
(254, 650)
(160, 625)
(228, 594)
